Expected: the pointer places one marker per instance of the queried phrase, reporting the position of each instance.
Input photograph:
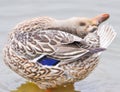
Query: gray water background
(105, 78)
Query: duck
(51, 52)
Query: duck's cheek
(79, 30)
(81, 34)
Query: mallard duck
(51, 52)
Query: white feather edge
(107, 35)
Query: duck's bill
(101, 18)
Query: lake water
(105, 78)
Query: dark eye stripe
(82, 23)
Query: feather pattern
(107, 35)
(34, 39)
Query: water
(105, 78)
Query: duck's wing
(53, 43)
(55, 46)
(107, 35)
(31, 44)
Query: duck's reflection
(31, 87)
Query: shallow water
(30, 87)
(105, 78)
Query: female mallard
(53, 52)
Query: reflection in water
(31, 87)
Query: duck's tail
(107, 35)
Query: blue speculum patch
(48, 61)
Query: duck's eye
(82, 23)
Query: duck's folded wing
(54, 46)
(66, 55)
(48, 42)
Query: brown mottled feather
(47, 36)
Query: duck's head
(82, 26)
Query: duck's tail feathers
(107, 35)
(88, 53)
(96, 50)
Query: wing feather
(107, 35)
